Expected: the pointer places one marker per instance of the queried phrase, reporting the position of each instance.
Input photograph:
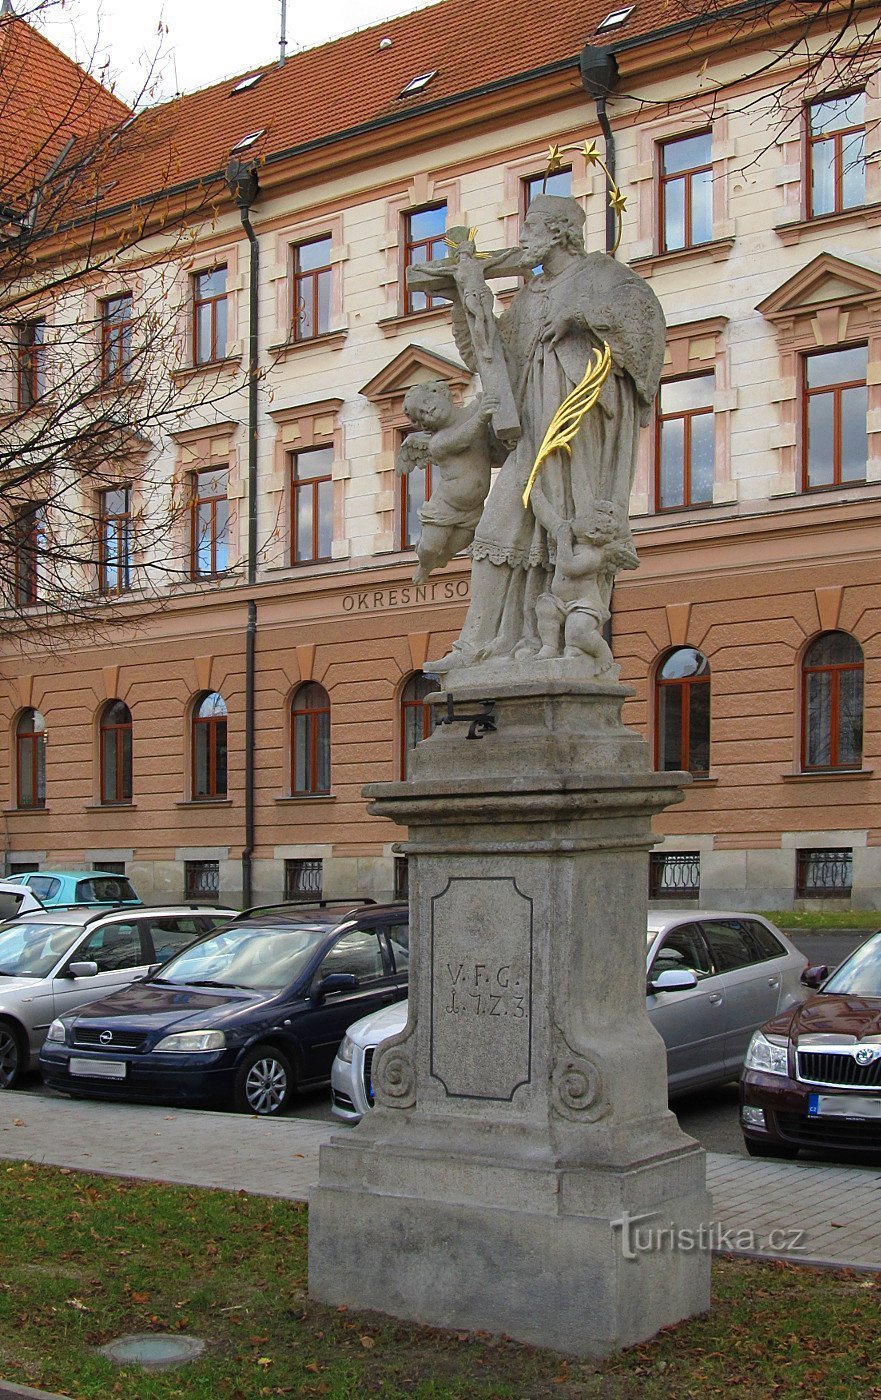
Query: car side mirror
(151, 972)
(814, 977)
(82, 969)
(337, 982)
(674, 980)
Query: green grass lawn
(84, 1259)
(844, 919)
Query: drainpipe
(244, 186)
(599, 74)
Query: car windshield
(29, 948)
(256, 958)
(104, 889)
(860, 976)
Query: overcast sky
(206, 40)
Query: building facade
(751, 634)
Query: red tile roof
(45, 98)
(351, 81)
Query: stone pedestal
(522, 1134)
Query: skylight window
(616, 17)
(247, 141)
(245, 84)
(418, 84)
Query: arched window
(116, 752)
(30, 759)
(209, 747)
(832, 703)
(682, 726)
(417, 719)
(310, 740)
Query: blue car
(247, 1016)
(54, 888)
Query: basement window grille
(823, 874)
(201, 879)
(303, 877)
(674, 875)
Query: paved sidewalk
(804, 1212)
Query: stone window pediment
(827, 281)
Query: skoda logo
(107, 1036)
(865, 1055)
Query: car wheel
(264, 1083)
(769, 1149)
(11, 1056)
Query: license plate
(843, 1106)
(98, 1069)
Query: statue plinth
(521, 1116)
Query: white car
(711, 980)
(16, 899)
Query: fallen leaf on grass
(76, 1303)
(264, 1361)
(368, 1343)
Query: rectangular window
(835, 428)
(415, 490)
(424, 231)
(116, 341)
(303, 879)
(674, 875)
(31, 363)
(686, 189)
(28, 533)
(209, 316)
(402, 877)
(311, 505)
(823, 874)
(836, 154)
(114, 540)
(558, 182)
(109, 867)
(685, 448)
(22, 867)
(209, 507)
(201, 879)
(312, 288)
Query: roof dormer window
(616, 17)
(245, 84)
(247, 141)
(418, 84)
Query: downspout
(599, 74)
(243, 183)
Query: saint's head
(552, 221)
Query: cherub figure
(589, 552)
(458, 443)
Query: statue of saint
(547, 336)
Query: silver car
(54, 961)
(712, 978)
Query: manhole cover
(155, 1350)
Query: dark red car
(812, 1074)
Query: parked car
(248, 1015)
(54, 888)
(15, 900)
(711, 979)
(812, 1076)
(54, 961)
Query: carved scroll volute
(393, 1074)
(577, 1089)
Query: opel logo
(107, 1036)
(865, 1055)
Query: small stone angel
(589, 552)
(457, 441)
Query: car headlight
(188, 1041)
(57, 1032)
(763, 1054)
(346, 1050)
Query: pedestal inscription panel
(481, 987)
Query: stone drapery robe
(607, 302)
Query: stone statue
(457, 442)
(589, 552)
(546, 337)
